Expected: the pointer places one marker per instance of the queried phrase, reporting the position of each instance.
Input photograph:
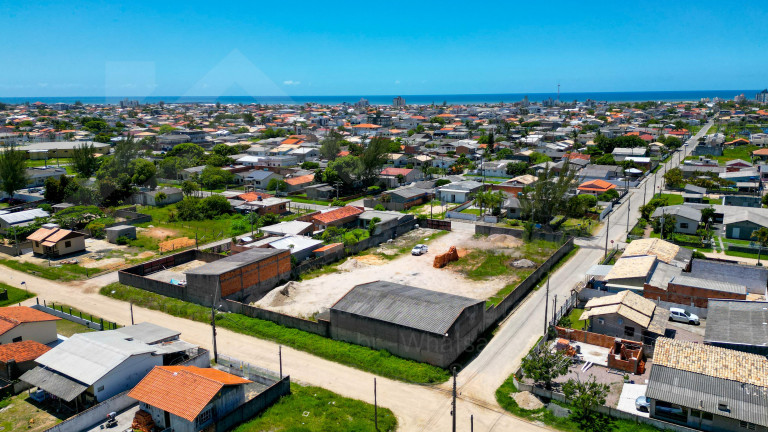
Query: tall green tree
(374, 156)
(84, 160)
(585, 396)
(545, 366)
(548, 195)
(330, 146)
(761, 235)
(13, 170)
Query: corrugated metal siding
(746, 402)
(405, 305)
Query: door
(735, 233)
(166, 419)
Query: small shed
(115, 232)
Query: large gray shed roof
(754, 277)
(709, 284)
(404, 305)
(737, 322)
(746, 402)
(235, 261)
(54, 383)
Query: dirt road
(417, 407)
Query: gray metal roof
(23, 216)
(754, 277)
(695, 189)
(709, 284)
(86, 357)
(404, 305)
(680, 210)
(291, 227)
(233, 262)
(663, 274)
(746, 402)
(148, 333)
(54, 383)
(737, 322)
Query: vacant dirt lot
(312, 296)
(158, 233)
(176, 272)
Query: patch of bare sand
(527, 400)
(104, 264)
(159, 233)
(315, 295)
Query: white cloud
(291, 82)
(397, 82)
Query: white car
(682, 315)
(419, 249)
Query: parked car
(682, 315)
(643, 403)
(419, 249)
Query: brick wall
(686, 295)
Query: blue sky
(344, 48)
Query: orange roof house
(596, 187)
(336, 217)
(56, 241)
(22, 323)
(573, 156)
(300, 181)
(738, 141)
(186, 392)
(20, 352)
(254, 196)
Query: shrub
(96, 229)
(337, 203)
(442, 182)
(122, 240)
(379, 207)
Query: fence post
(102, 323)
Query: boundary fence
(67, 314)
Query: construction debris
(143, 422)
(443, 260)
(523, 263)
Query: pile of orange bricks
(443, 260)
(143, 421)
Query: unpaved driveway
(306, 298)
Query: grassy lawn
(327, 411)
(672, 199)
(21, 413)
(378, 362)
(472, 211)
(572, 320)
(68, 328)
(65, 272)
(206, 230)
(402, 247)
(743, 152)
(504, 398)
(742, 254)
(50, 162)
(15, 295)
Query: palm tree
(761, 235)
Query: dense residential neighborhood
(336, 243)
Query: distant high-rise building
(526, 102)
(762, 97)
(362, 103)
(126, 103)
(398, 102)
(739, 98)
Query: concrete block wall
(319, 327)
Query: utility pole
(375, 406)
(554, 309)
(645, 192)
(607, 232)
(131, 313)
(280, 357)
(213, 327)
(453, 411)
(629, 208)
(472, 423)
(546, 312)
(662, 223)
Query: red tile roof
(326, 247)
(253, 196)
(182, 390)
(596, 185)
(13, 316)
(337, 214)
(366, 126)
(22, 351)
(396, 171)
(577, 156)
(309, 178)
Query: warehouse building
(409, 322)
(738, 325)
(250, 273)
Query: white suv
(682, 315)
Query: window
(621, 321)
(67, 244)
(707, 416)
(16, 339)
(204, 417)
(722, 406)
(629, 331)
(747, 425)
(100, 389)
(600, 321)
(683, 225)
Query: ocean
(450, 99)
